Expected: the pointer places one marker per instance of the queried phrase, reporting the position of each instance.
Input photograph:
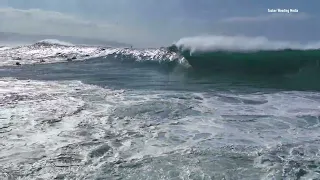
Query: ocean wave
(212, 54)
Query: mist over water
(123, 113)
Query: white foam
(41, 116)
(238, 43)
(280, 114)
(39, 119)
(53, 53)
(127, 122)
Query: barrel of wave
(259, 61)
(246, 54)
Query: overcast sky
(161, 22)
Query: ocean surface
(204, 108)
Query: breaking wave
(210, 54)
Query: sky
(153, 23)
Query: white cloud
(269, 17)
(35, 21)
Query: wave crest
(53, 42)
(238, 44)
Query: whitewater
(217, 107)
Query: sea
(203, 108)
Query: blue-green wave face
(246, 55)
(261, 62)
